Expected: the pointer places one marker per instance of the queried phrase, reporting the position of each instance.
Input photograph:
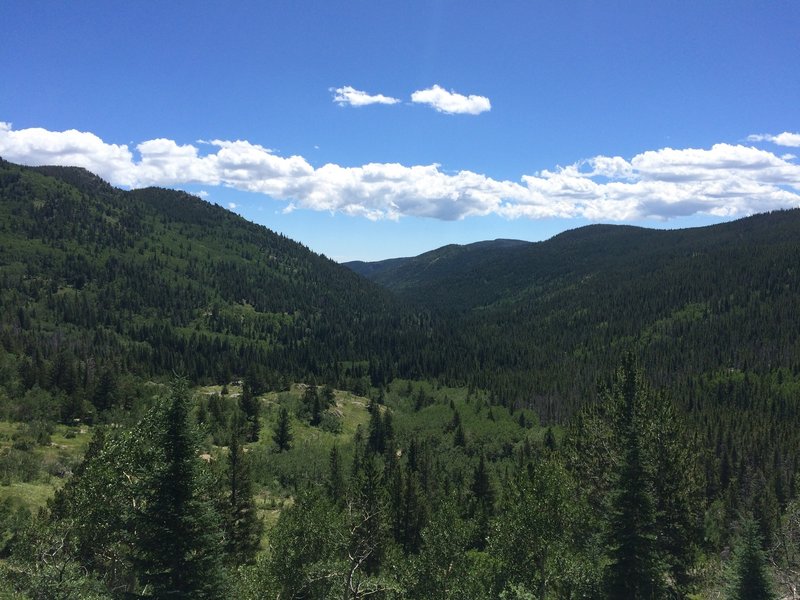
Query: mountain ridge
(152, 281)
(579, 251)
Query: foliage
(475, 455)
(282, 436)
(178, 544)
(749, 578)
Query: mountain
(155, 281)
(484, 273)
(492, 380)
(545, 319)
(448, 263)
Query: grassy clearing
(32, 496)
(32, 472)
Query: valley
(503, 419)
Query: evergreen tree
(242, 525)
(634, 571)
(388, 429)
(249, 405)
(104, 395)
(549, 439)
(414, 515)
(316, 411)
(459, 437)
(376, 441)
(482, 506)
(178, 546)
(328, 396)
(367, 519)
(282, 434)
(335, 484)
(750, 579)
(310, 401)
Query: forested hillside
(544, 319)
(711, 313)
(96, 280)
(204, 408)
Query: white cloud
(724, 180)
(36, 146)
(232, 205)
(349, 96)
(202, 194)
(782, 139)
(451, 102)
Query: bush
(18, 465)
(35, 433)
(331, 423)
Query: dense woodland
(194, 406)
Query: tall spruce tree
(282, 434)
(750, 579)
(335, 485)
(242, 525)
(482, 503)
(249, 405)
(179, 547)
(634, 570)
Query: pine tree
(414, 515)
(249, 405)
(104, 395)
(549, 439)
(316, 411)
(482, 506)
(310, 401)
(328, 396)
(242, 525)
(335, 484)
(376, 441)
(367, 518)
(459, 437)
(634, 570)
(178, 545)
(282, 434)
(388, 429)
(750, 580)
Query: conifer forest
(193, 406)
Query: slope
(416, 277)
(153, 281)
(544, 319)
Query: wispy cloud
(349, 96)
(724, 180)
(782, 139)
(451, 102)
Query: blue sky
(502, 119)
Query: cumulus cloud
(451, 102)
(724, 180)
(349, 96)
(67, 148)
(782, 139)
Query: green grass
(30, 495)
(65, 450)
